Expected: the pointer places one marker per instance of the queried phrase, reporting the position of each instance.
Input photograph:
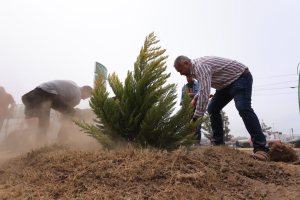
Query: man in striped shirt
(232, 80)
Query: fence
(13, 123)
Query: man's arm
(61, 105)
(204, 80)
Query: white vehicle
(275, 136)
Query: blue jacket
(195, 89)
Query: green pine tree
(142, 110)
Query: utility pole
(292, 133)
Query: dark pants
(241, 91)
(38, 103)
(198, 131)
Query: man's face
(85, 94)
(183, 69)
(190, 80)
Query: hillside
(54, 172)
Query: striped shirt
(215, 72)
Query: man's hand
(193, 103)
(191, 95)
(193, 119)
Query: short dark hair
(181, 59)
(87, 88)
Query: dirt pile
(53, 172)
(283, 153)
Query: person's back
(59, 95)
(69, 91)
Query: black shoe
(217, 143)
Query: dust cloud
(24, 140)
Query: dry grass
(55, 172)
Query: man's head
(86, 92)
(190, 80)
(182, 65)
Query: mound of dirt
(283, 153)
(53, 172)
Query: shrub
(141, 111)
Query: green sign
(101, 68)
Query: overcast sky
(47, 40)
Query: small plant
(141, 112)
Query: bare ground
(55, 172)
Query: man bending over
(60, 95)
(232, 80)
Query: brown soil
(283, 153)
(53, 172)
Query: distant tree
(207, 131)
(264, 127)
(206, 127)
(226, 129)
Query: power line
(276, 76)
(276, 83)
(276, 88)
(275, 94)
